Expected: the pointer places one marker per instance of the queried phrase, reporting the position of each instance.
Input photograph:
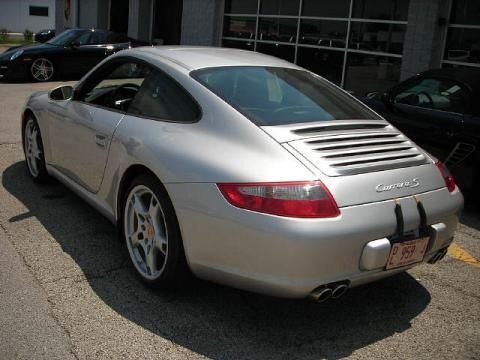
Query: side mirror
(61, 93)
(74, 44)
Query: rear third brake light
(293, 199)
(447, 176)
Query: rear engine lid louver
(347, 147)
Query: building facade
(361, 45)
(16, 16)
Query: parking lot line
(458, 253)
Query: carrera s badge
(407, 183)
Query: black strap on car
(399, 233)
(423, 217)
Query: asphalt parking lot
(67, 291)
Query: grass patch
(19, 41)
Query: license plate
(407, 253)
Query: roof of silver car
(194, 57)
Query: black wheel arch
(130, 173)
(27, 114)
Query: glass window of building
(323, 33)
(462, 45)
(368, 73)
(326, 63)
(345, 41)
(244, 45)
(378, 37)
(286, 52)
(381, 9)
(239, 27)
(241, 6)
(277, 29)
(465, 12)
(279, 7)
(316, 8)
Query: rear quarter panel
(222, 146)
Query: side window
(91, 38)
(433, 93)
(115, 85)
(84, 39)
(98, 38)
(163, 98)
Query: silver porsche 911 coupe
(246, 169)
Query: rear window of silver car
(278, 96)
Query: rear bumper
(291, 257)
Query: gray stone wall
(102, 14)
(92, 14)
(139, 18)
(88, 13)
(61, 22)
(202, 21)
(422, 49)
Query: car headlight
(16, 54)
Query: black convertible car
(440, 110)
(70, 55)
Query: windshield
(65, 37)
(277, 96)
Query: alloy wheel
(42, 69)
(146, 232)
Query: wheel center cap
(150, 231)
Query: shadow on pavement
(26, 80)
(216, 321)
(471, 218)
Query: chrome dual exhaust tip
(321, 294)
(339, 291)
(325, 292)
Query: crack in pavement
(10, 143)
(87, 277)
(51, 312)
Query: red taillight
(293, 199)
(447, 177)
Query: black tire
(175, 267)
(38, 173)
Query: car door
(86, 51)
(430, 110)
(464, 161)
(81, 129)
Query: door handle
(101, 140)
